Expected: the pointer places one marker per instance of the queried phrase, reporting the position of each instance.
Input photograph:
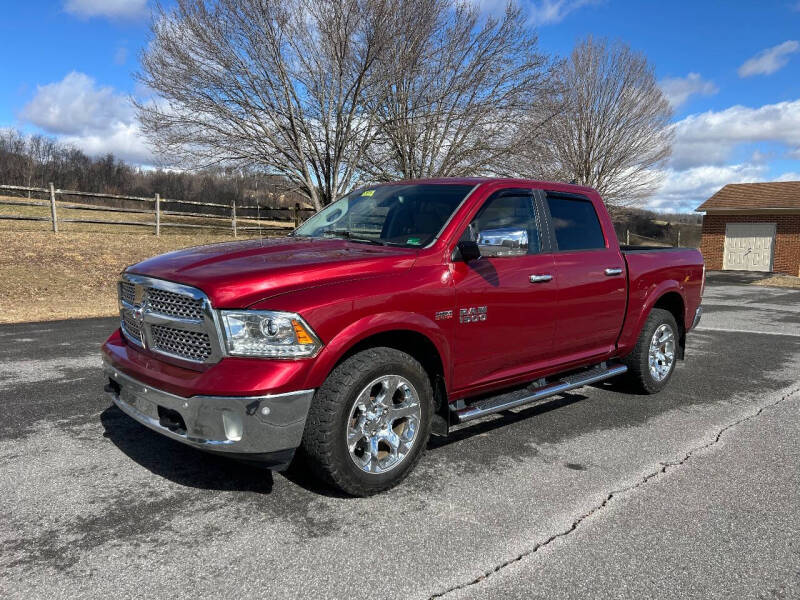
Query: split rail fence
(250, 221)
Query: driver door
(505, 300)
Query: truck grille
(191, 345)
(174, 305)
(168, 318)
(127, 292)
(130, 326)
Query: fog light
(233, 426)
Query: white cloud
(120, 55)
(118, 9)
(548, 12)
(711, 137)
(683, 191)
(679, 89)
(93, 118)
(770, 60)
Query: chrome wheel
(662, 352)
(383, 424)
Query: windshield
(399, 215)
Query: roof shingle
(775, 194)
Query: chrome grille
(169, 318)
(174, 305)
(127, 292)
(192, 345)
(130, 326)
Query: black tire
(324, 440)
(639, 378)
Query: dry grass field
(784, 281)
(72, 274)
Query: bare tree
(42, 151)
(14, 160)
(457, 86)
(280, 84)
(610, 128)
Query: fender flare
(631, 333)
(375, 324)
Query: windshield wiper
(347, 235)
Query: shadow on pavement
(505, 418)
(179, 463)
(193, 468)
(734, 277)
(189, 467)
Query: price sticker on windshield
(368, 192)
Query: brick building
(753, 227)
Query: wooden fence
(288, 217)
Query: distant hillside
(663, 228)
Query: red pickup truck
(396, 312)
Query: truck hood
(239, 274)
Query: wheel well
(673, 302)
(414, 344)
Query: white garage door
(748, 246)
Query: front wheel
(652, 361)
(369, 423)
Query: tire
(641, 378)
(353, 408)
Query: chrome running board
(487, 406)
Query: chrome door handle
(611, 272)
(540, 278)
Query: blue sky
(732, 70)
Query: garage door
(748, 246)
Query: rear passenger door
(592, 288)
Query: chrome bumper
(697, 315)
(242, 426)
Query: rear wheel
(370, 421)
(652, 361)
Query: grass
(72, 274)
(783, 281)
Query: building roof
(743, 196)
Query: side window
(575, 223)
(506, 225)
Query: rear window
(576, 224)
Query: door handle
(611, 272)
(540, 278)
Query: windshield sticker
(413, 241)
(367, 192)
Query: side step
(516, 398)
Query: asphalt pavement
(692, 493)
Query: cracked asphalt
(692, 493)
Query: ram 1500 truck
(396, 312)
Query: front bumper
(256, 428)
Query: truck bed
(630, 249)
(651, 272)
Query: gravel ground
(596, 493)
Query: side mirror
(467, 251)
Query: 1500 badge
(472, 314)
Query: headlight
(268, 333)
